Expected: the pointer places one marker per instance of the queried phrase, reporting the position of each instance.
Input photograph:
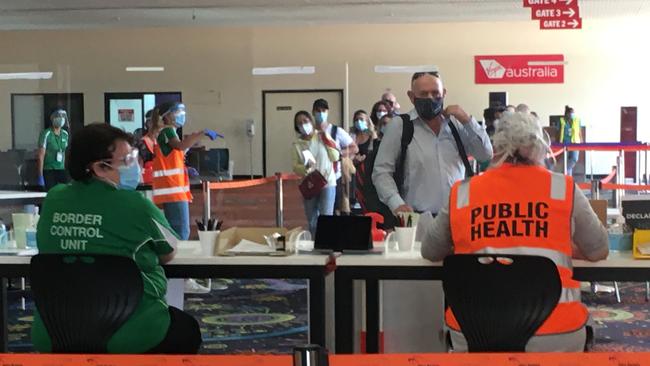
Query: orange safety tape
(439, 359)
(628, 187)
(251, 182)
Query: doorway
(278, 135)
(30, 114)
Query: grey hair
(519, 139)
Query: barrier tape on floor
(437, 359)
(251, 182)
(604, 146)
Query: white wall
(212, 68)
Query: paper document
(247, 246)
(643, 248)
(307, 156)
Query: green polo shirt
(165, 135)
(96, 218)
(55, 146)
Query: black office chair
(500, 300)
(84, 299)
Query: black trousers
(54, 177)
(183, 335)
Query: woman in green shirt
(52, 144)
(101, 213)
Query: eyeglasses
(420, 74)
(128, 159)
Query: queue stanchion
(279, 199)
(595, 189)
(206, 201)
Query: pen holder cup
(208, 241)
(405, 237)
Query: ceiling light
(25, 75)
(404, 69)
(284, 70)
(145, 68)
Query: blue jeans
(323, 204)
(178, 215)
(572, 159)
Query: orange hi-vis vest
(171, 182)
(520, 210)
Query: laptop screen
(340, 233)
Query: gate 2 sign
(519, 69)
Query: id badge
(59, 156)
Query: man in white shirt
(432, 162)
(389, 98)
(343, 140)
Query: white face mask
(380, 114)
(306, 129)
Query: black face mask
(428, 108)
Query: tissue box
(230, 237)
(620, 241)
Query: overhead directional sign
(548, 3)
(560, 23)
(554, 13)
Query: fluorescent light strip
(26, 75)
(145, 68)
(382, 69)
(284, 70)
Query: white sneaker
(219, 285)
(604, 288)
(193, 287)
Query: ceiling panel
(65, 14)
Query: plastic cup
(208, 241)
(405, 237)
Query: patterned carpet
(270, 316)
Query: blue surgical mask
(380, 114)
(58, 122)
(362, 125)
(321, 117)
(180, 119)
(572, 115)
(306, 129)
(129, 176)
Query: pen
(200, 225)
(409, 223)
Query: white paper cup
(208, 240)
(405, 237)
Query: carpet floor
(270, 316)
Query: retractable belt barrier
(278, 179)
(438, 359)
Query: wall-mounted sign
(519, 69)
(560, 23)
(555, 14)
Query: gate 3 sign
(519, 69)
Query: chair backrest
(84, 299)
(500, 301)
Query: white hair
(523, 108)
(519, 139)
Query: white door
(280, 108)
(28, 120)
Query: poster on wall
(126, 114)
(519, 69)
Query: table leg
(4, 324)
(343, 312)
(317, 309)
(372, 316)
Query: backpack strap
(461, 150)
(335, 129)
(407, 137)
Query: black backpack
(367, 194)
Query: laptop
(347, 234)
